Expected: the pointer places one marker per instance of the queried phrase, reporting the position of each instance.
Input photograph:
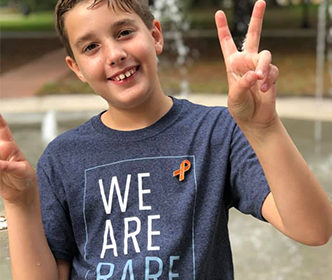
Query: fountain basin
(260, 252)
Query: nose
(114, 53)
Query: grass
(275, 17)
(200, 18)
(297, 77)
(42, 21)
(69, 84)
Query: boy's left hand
(297, 205)
(251, 76)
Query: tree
(36, 5)
(242, 11)
(305, 17)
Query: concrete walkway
(26, 80)
(293, 107)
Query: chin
(128, 100)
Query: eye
(90, 47)
(125, 33)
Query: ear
(75, 68)
(157, 35)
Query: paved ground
(26, 80)
(295, 107)
(18, 88)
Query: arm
(30, 253)
(297, 204)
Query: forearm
(304, 208)
(30, 254)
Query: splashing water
(3, 223)
(171, 13)
(329, 43)
(49, 127)
(320, 65)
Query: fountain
(249, 237)
(329, 43)
(320, 65)
(49, 127)
(170, 13)
(3, 223)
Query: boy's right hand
(18, 179)
(251, 76)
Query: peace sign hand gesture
(18, 180)
(251, 76)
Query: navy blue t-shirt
(151, 203)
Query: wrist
(24, 199)
(260, 134)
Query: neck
(139, 117)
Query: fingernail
(260, 3)
(260, 73)
(219, 12)
(264, 87)
(251, 77)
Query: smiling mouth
(125, 75)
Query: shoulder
(213, 122)
(196, 111)
(79, 133)
(200, 107)
(70, 141)
(209, 113)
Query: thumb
(18, 169)
(238, 91)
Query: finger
(263, 64)
(227, 44)
(242, 62)
(17, 168)
(10, 152)
(252, 40)
(20, 175)
(8, 148)
(5, 133)
(245, 83)
(271, 79)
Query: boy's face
(115, 53)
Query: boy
(142, 191)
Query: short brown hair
(140, 7)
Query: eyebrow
(116, 25)
(82, 39)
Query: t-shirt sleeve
(248, 185)
(55, 216)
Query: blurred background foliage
(23, 15)
(38, 14)
(26, 6)
(42, 5)
(290, 29)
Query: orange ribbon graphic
(184, 167)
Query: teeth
(125, 75)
